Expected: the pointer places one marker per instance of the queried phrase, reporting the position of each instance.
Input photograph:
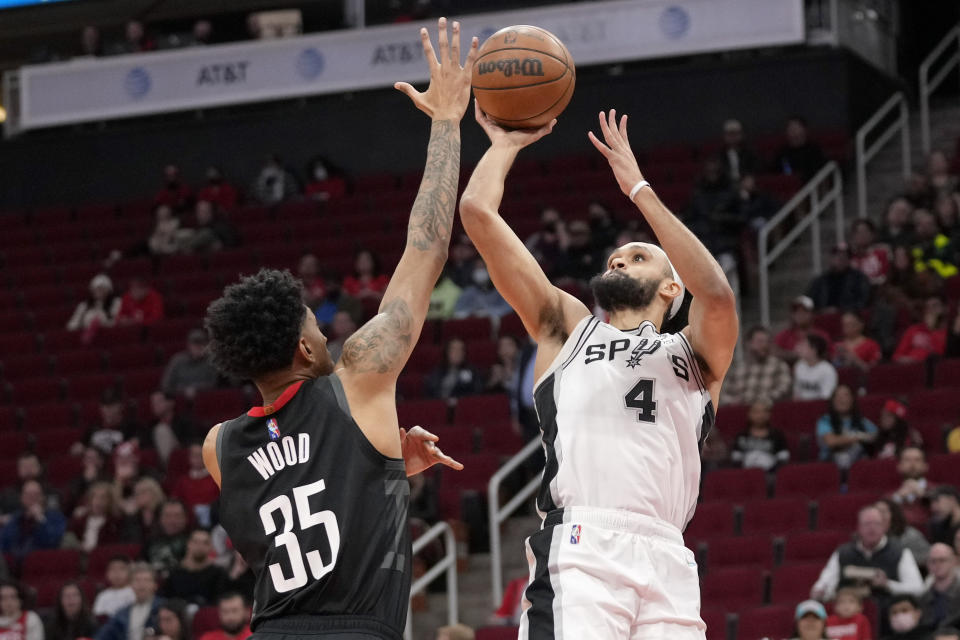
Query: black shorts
(327, 627)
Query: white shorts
(610, 575)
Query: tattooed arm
(373, 357)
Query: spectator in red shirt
(314, 285)
(367, 281)
(847, 621)
(141, 304)
(801, 323)
(926, 338)
(175, 194)
(234, 619)
(323, 183)
(867, 256)
(894, 434)
(855, 350)
(197, 489)
(218, 191)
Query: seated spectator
(814, 378)
(945, 514)
(946, 208)
(866, 255)
(212, 231)
(341, 328)
(168, 544)
(736, 158)
(504, 372)
(898, 227)
(324, 184)
(234, 616)
(895, 436)
(459, 268)
(799, 155)
(368, 280)
(15, 622)
(135, 40)
(218, 191)
(455, 377)
(114, 427)
(895, 526)
(71, 617)
(926, 338)
(941, 599)
(917, 191)
(907, 285)
(90, 42)
(132, 621)
(314, 285)
(170, 427)
(946, 633)
(481, 299)
(761, 375)
(932, 250)
(190, 371)
(118, 593)
(873, 564)
(904, 618)
(710, 197)
(93, 472)
(582, 261)
(844, 433)
(174, 194)
(98, 310)
(847, 621)
(939, 178)
(28, 468)
(444, 297)
(455, 632)
(801, 323)
(166, 237)
(127, 471)
(841, 288)
(197, 489)
(274, 183)
(855, 349)
(172, 621)
(197, 579)
(141, 304)
(760, 446)
(549, 244)
(97, 521)
(603, 228)
(200, 35)
(143, 510)
(34, 526)
(811, 620)
(240, 577)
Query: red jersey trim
(266, 410)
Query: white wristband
(637, 187)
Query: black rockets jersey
(317, 512)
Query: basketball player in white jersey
(623, 409)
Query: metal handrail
(865, 154)
(929, 85)
(499, 514)
(820, 196)
(448, 564)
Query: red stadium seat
(943, 468)
(807, 480)
(746, 551)
(716, 620)
(426, 413)
(942, 403)
(466, 329)
(839, 513)
(45, 563)
(711, 520)
(874, 475)
(132, 356)
(90, 386)
(8, 472)
(478, 468)
(100, 557)
(765, 622)
(791, 584)
(12, 443)
(58, 415)
(36, 365)
(31, 391)
(424, 358)
(497, 633)
(499, 437)
(732, 418)
(732, 589)
(63, 468)
(798, 415)
(812, 546)
(78, 362)
(829, 323)
(456, 441)
(142, 381)
(948, 371)
(482, 409)
(512, 326)
(897, 379)
(778, 516)
(55, 441)
(204, 620)
(213, 405)
(735, 484)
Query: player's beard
(618, 292)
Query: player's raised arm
(373, 357)
(713, 313)
(547, 312)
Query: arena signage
(597, 32)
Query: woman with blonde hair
(97, 521)
(143, 509)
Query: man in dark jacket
(841, 288)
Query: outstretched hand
(617, 151)
(449, 92)
(420, 453)
(516, 138)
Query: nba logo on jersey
(575, 534)
(273, 428)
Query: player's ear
(305, 351)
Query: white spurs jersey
(623, 416)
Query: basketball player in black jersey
(313, 483)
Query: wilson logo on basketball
(512, 67)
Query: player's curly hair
(255, 326)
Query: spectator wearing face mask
(274, 184)
(324, 184)
(481, 299)
(904, 616)
(99, 310)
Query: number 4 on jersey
(641, 399)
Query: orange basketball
(523, 77)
